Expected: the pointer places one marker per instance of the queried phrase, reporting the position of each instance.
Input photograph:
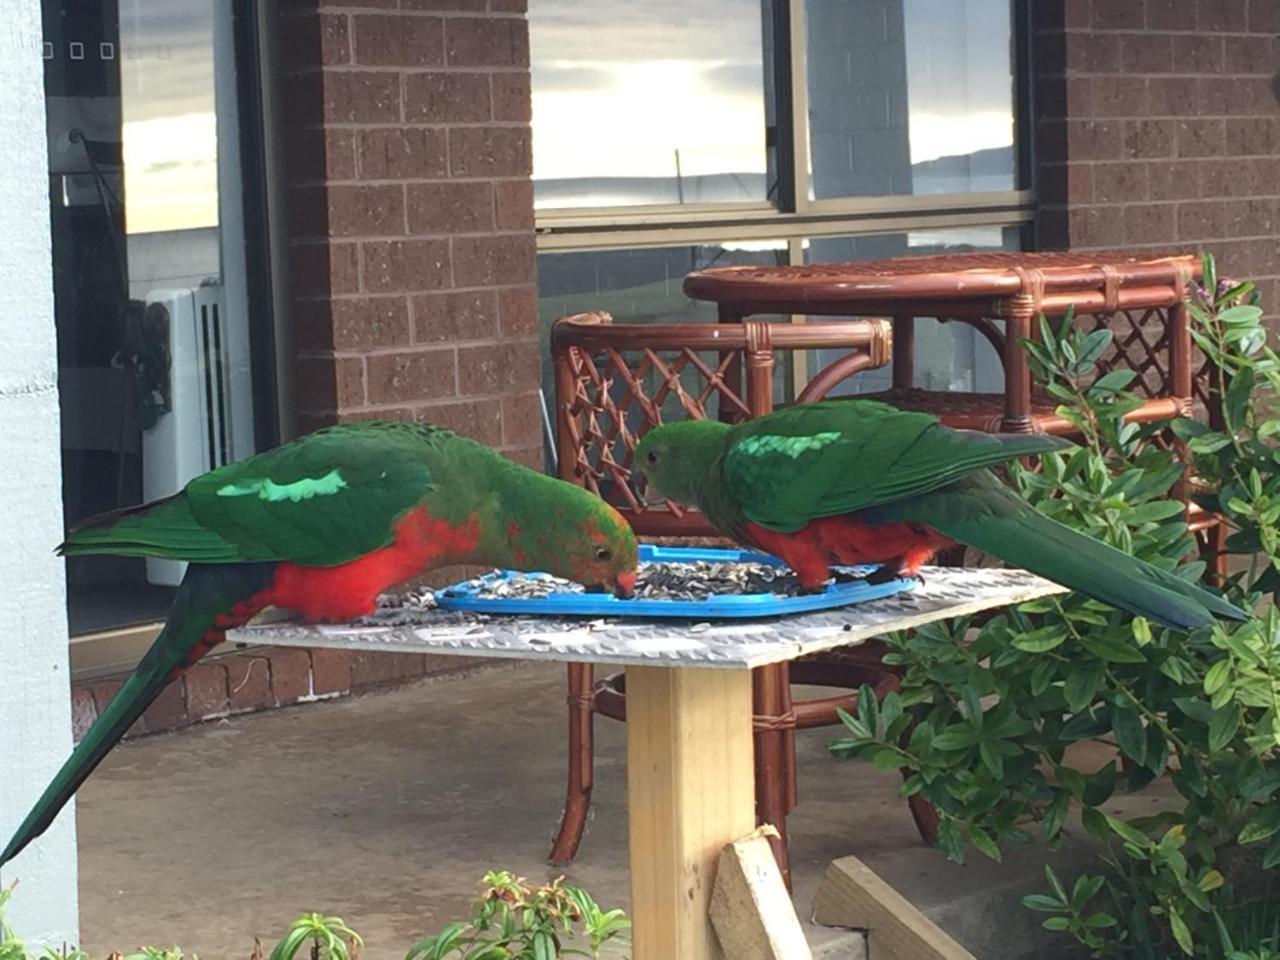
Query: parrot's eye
(603, 553)
(652, 456)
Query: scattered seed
(698, 580)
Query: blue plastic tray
(465, 596)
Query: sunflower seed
(697, 580)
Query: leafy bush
(986, 713)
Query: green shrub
(985, 712)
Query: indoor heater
(206, 419)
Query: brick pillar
(1158, 127)
(412, 271)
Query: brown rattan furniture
(612, 383)
(1140, 298)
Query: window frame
(99, 652)
(794, 214)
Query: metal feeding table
(689, 744)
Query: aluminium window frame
(102, 652)
(796, 215)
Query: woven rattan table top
(965, 275)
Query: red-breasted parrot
(321, 526)
(858, 481)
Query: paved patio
(386, 809)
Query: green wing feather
(320, 500)
(835, 457)
(982, 512)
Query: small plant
(510, 921)
(331, 939)
(10, 947)
(513, 921)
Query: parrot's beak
(625, 585)
(648, 496)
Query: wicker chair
(612, 383)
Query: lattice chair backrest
(614, 382)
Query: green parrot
(321, 526)
(858, 481)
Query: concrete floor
(386, 809)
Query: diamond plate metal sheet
(947, 592)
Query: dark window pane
(647, 103)
(909, 97)
(149, 271)
(643, 286)
(948, 356)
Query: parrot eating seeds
(322, 526)
(849, 482)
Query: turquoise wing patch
(321, 500)
(793, 447)
(835, 457)
(296, 491)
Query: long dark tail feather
(108, 518)
(161, 528)
(982, 513)
(207, 594)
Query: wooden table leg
(689, 792)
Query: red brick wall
(262, 678)
(1157, 126)
(410, 215)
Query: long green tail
(981, 512)
(205, 592)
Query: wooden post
(689, 793)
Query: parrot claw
(886, 574)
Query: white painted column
(35, 708)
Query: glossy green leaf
(1181, 935)
(983, 842)
(1131, 736)
(1264, 825)
(1080, 687)
(1043, 903)
(1041, 640)
(1112, 649)
(1223, 727)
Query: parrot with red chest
(847, 482)
(321, 526)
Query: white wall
(35, 711)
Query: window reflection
(149, 272)
(647, 103)
(909, 97)
(948, 356)
(643, 286)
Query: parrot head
(674, 459)
(601, 550)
